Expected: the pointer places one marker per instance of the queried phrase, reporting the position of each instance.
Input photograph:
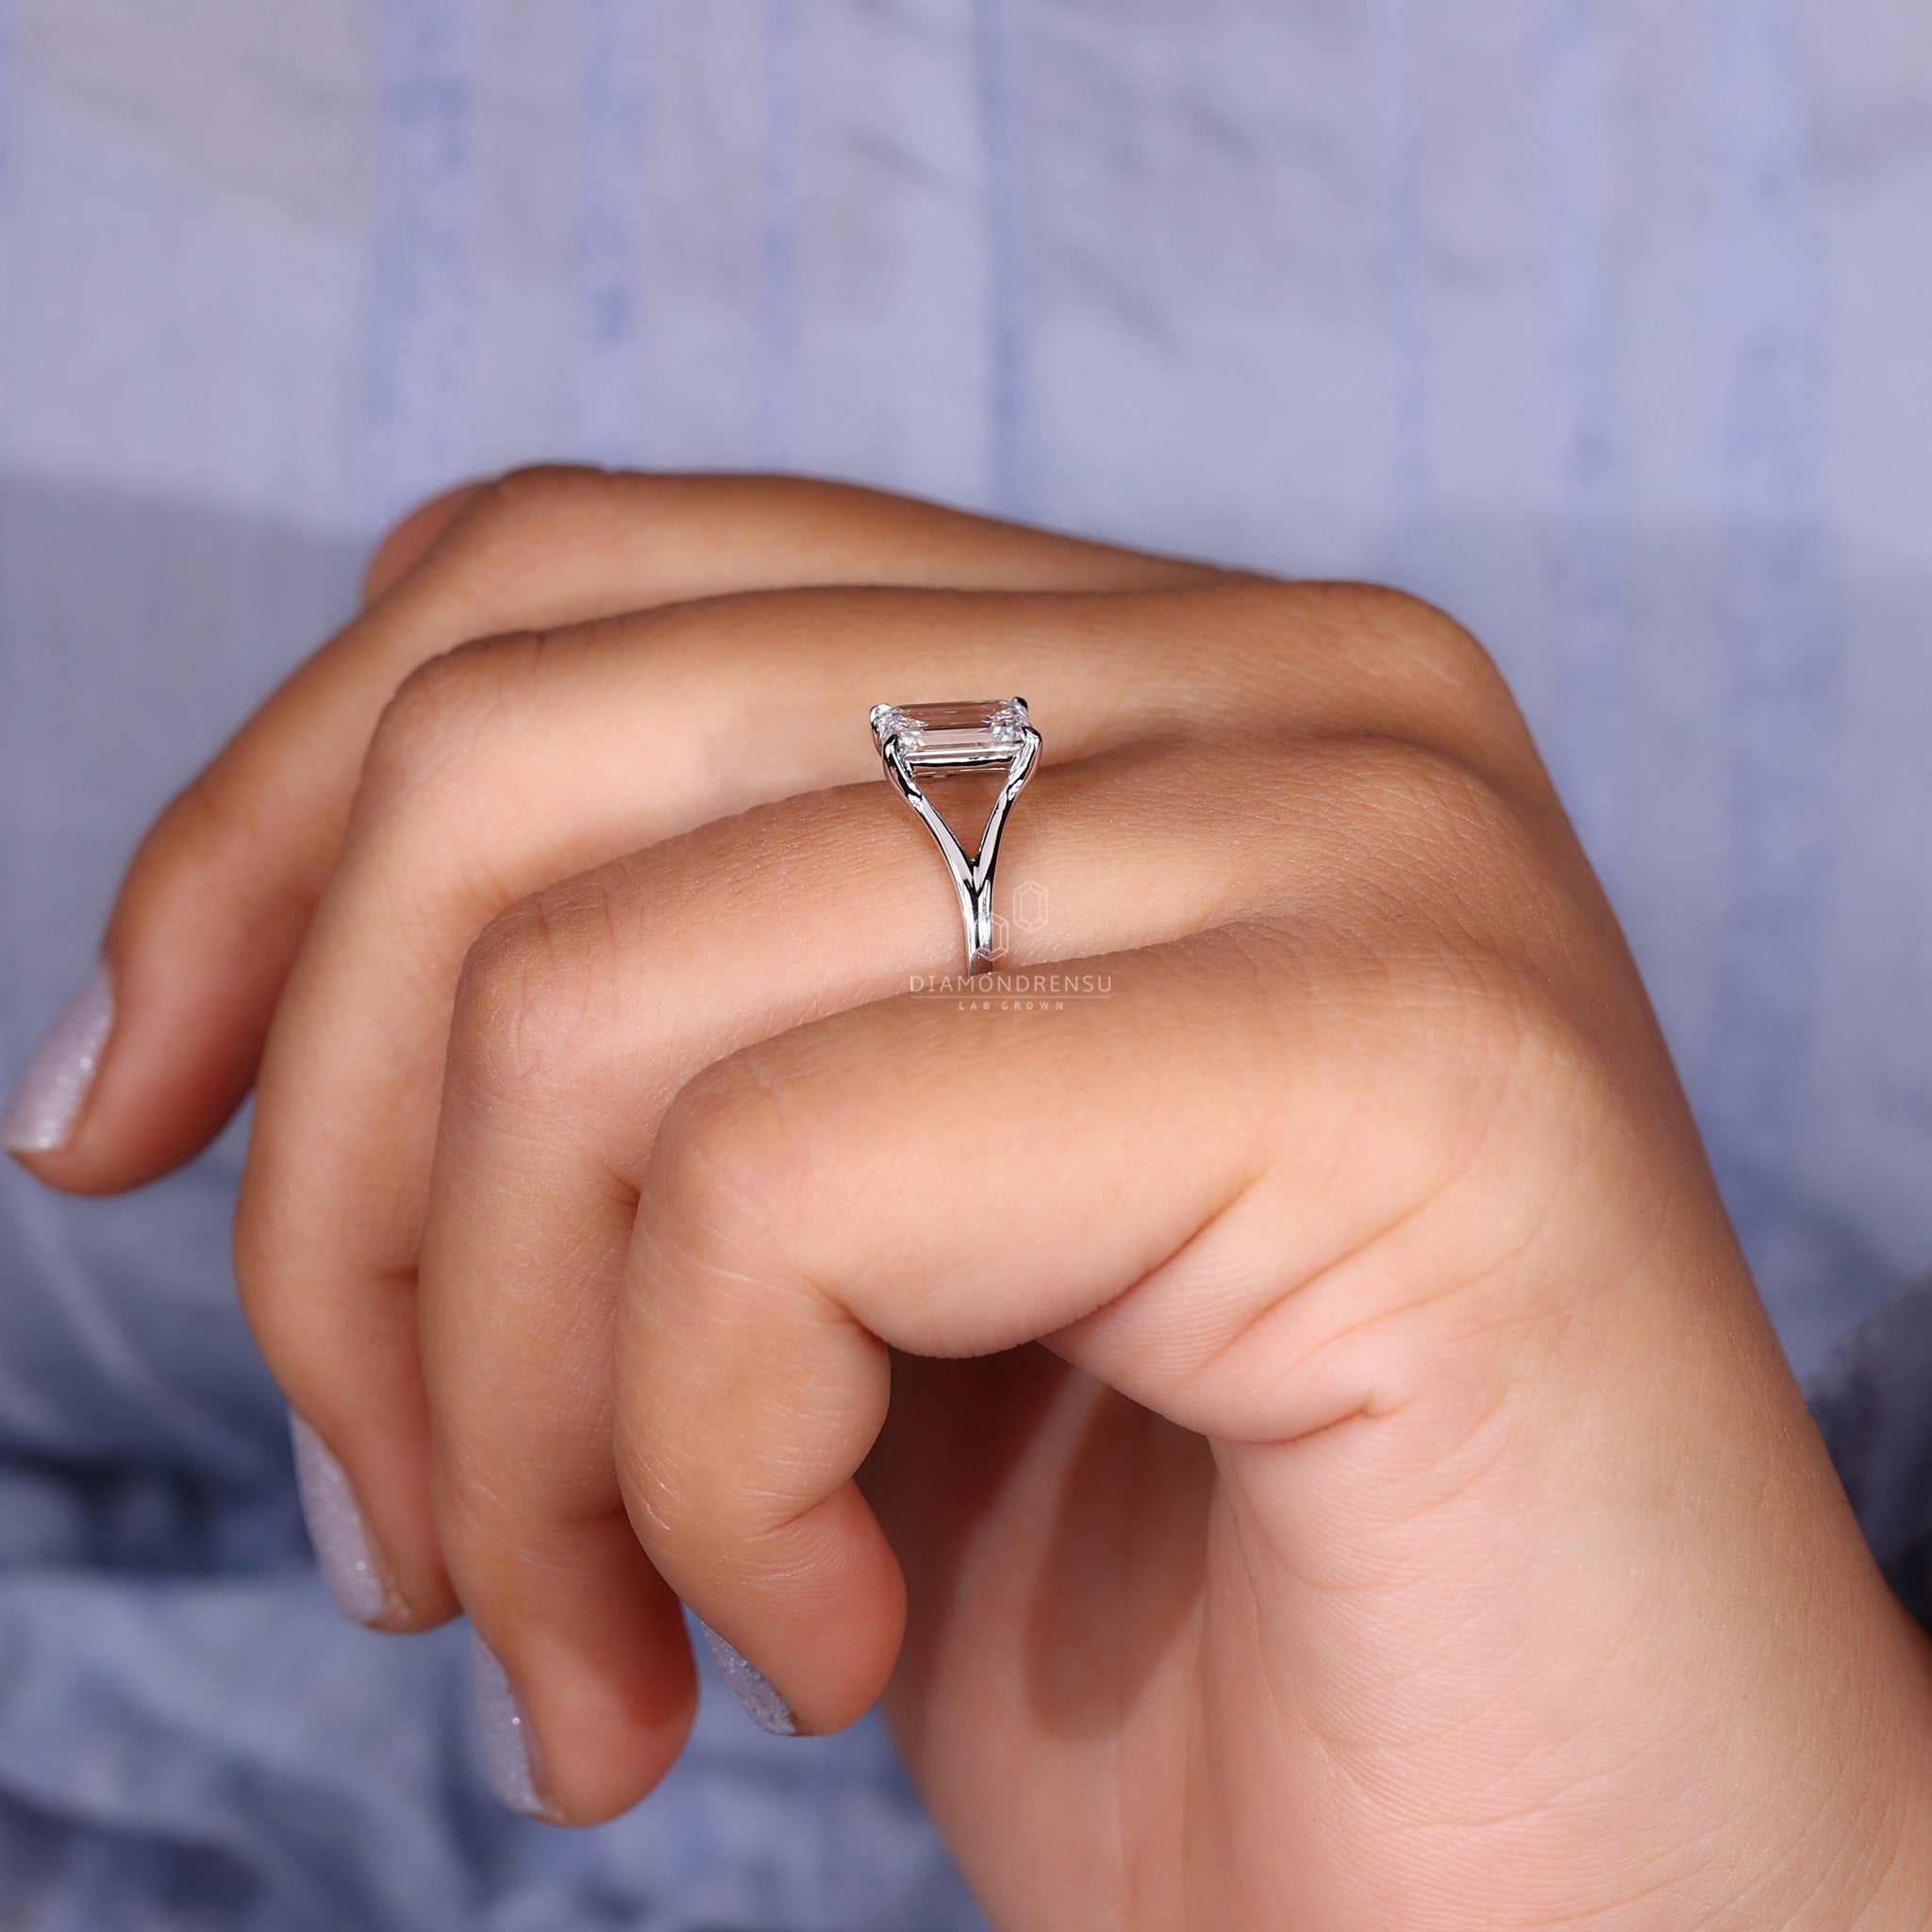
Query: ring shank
(973, 878)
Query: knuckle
(510, 520)
(1411, 663)
(1453, 689)
(727, 1160)
(443, 711)
(1447, 927)
(404, 543)
(536, 489)
(1464, 887)
(537, 991)
(1526, 1096)
(528, 507)
(215, 821)
(1486, 1016)
(537, 497)
(1503, 1046)
(1425, 641)
(1434, 813)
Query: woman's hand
(1293, 1426)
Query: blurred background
(1602, 322)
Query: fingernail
(507, 1758)
(46, 1103)
(755, 1691)
(335, 1528)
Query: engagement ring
(918, 741)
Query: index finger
(163, 1043)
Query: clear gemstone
(983, 731)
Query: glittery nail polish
(507, 1759)
(46, 1102)
(754, 1689)
(343, 1548)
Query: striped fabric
(1604, 325)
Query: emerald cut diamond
(980, 731)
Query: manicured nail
(336, 1528)
(507, 1754)
(756, 1691)
(41, 1115)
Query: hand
(1295, 1433)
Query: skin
(1293, 1441)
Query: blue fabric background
(1602, 322)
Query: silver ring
(916, 740)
